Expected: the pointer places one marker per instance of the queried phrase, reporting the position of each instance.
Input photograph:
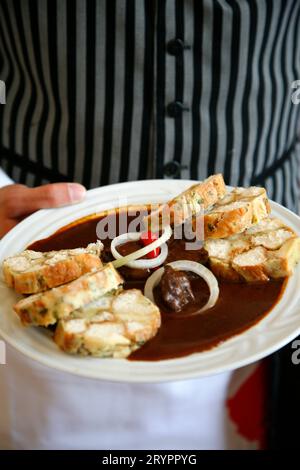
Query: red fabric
(247, 407)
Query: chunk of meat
(176, 290)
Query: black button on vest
(173, 169)
(175, 109)
(176, 47)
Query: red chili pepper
(146, 239)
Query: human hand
(18, 201)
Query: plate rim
(138, 377)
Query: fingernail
(76, 192)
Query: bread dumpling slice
(48, 307)
(267, 250)
(126, 324)
(187, 204)
(251, 264)
(235, 212)
(31, 271)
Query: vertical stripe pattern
(89, 84)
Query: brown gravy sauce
(239, 307)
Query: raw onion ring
(132, 260)
(187, 265)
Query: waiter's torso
(100, 92)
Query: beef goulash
(149, 295)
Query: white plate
(277, 329)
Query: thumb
(28, 200)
